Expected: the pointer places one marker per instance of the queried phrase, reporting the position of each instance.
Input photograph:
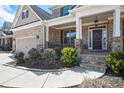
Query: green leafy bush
(69, 56)
(49, 55)
(115, 62)
(34, 55)
(20, 57)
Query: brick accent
(34, 31)
(54, 36)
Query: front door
(97, 39)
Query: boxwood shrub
(49, 55)
(69, 56)
(115, 62)
(34, 55)
(19, 57)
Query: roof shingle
(40, 12)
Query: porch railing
(51, 45)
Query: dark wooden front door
(97, 39)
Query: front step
(93, 61)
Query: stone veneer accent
(78, 45)
(117, 44)
(93, 61)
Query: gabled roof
(40, 12)
(7, 25)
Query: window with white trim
(25, 14)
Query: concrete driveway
(6, 57)
(13, 77)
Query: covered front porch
(6, 41)
(92, 31)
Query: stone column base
(78, 45)
(117, 44)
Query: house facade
(85, 27)
(6, 34)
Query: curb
(38, 70)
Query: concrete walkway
(13, 77)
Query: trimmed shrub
(115, 62)
(20, 57)
(49, 55)
(69, 56)
(34, 55)
(58, 52)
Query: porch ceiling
(100, 17)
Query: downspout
(44, 34)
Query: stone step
(93, 67)
(93, 61)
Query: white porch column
(78, 28)
(47, 36)
(117, 44)
(43, 37)
(116, 22)
(1, 41)
(78, 40)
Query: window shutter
(27, 14)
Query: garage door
(25, 44)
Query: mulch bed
(41, 65)
(109, 80)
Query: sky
(7, 12)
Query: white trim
(104, 36)
(91, 30)
(43, 36)
(116, 22)
(7, 36)
(93, 10)
(84, 24)
(60, 20)
(17, 15)
(78, 28)
(47, 33)
(27, 26)
(90, 48)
